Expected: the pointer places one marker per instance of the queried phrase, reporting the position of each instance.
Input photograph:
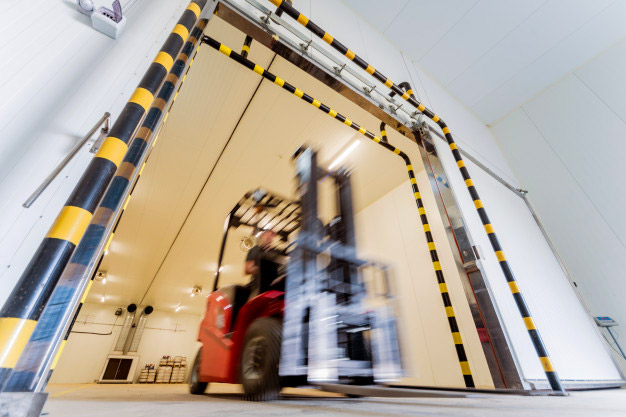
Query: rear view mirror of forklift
(312, 311)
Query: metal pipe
(245, 49)
(383, 132)
(22, 311)
(222, 249)
(517, 191)
(608, 329)
(139, 329)
(456, 335)
(104, 119)
(129, 319)
(533, 333)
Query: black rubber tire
(195, 386)
(260, 356)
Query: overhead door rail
(447, 302)
(535, 337)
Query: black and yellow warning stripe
(383, 132)
(23, 308)
(406, 95)
(456, 335)
(52, 322)
(245, 49)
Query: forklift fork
(330, 335)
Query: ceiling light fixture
(344, 154)
(104, 280)
(178, 308)
(196, 290)
(102, 299)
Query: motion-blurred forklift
(327, 319)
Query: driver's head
(267, 237)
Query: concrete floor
(87, 400)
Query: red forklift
(313, 313)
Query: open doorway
(229, 132)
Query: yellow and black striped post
(20, 313)
(447, 302)
(551, 374)
(31, 371)
(245, 49)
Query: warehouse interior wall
(389, 231)
(573, 132)
(95, 333)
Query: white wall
(61, 77)
(390, 231)
(85, 354)
(566, 146)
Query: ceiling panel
(605, 76)
(169, 235)
(537, 36)
(474, 35)
(385, 12)
(494, 55)
(423, 23)
(602, 31)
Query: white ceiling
(494, 55)
(169, 236)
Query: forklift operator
(263, 263)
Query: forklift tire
(260, 356)
(195, 386)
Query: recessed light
(196, 290)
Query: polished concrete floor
(88, 400)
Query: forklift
(321, 316)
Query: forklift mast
(329, 334)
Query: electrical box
(605, 321)
(110, 22)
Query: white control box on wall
(110, 22)
(103, 23)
